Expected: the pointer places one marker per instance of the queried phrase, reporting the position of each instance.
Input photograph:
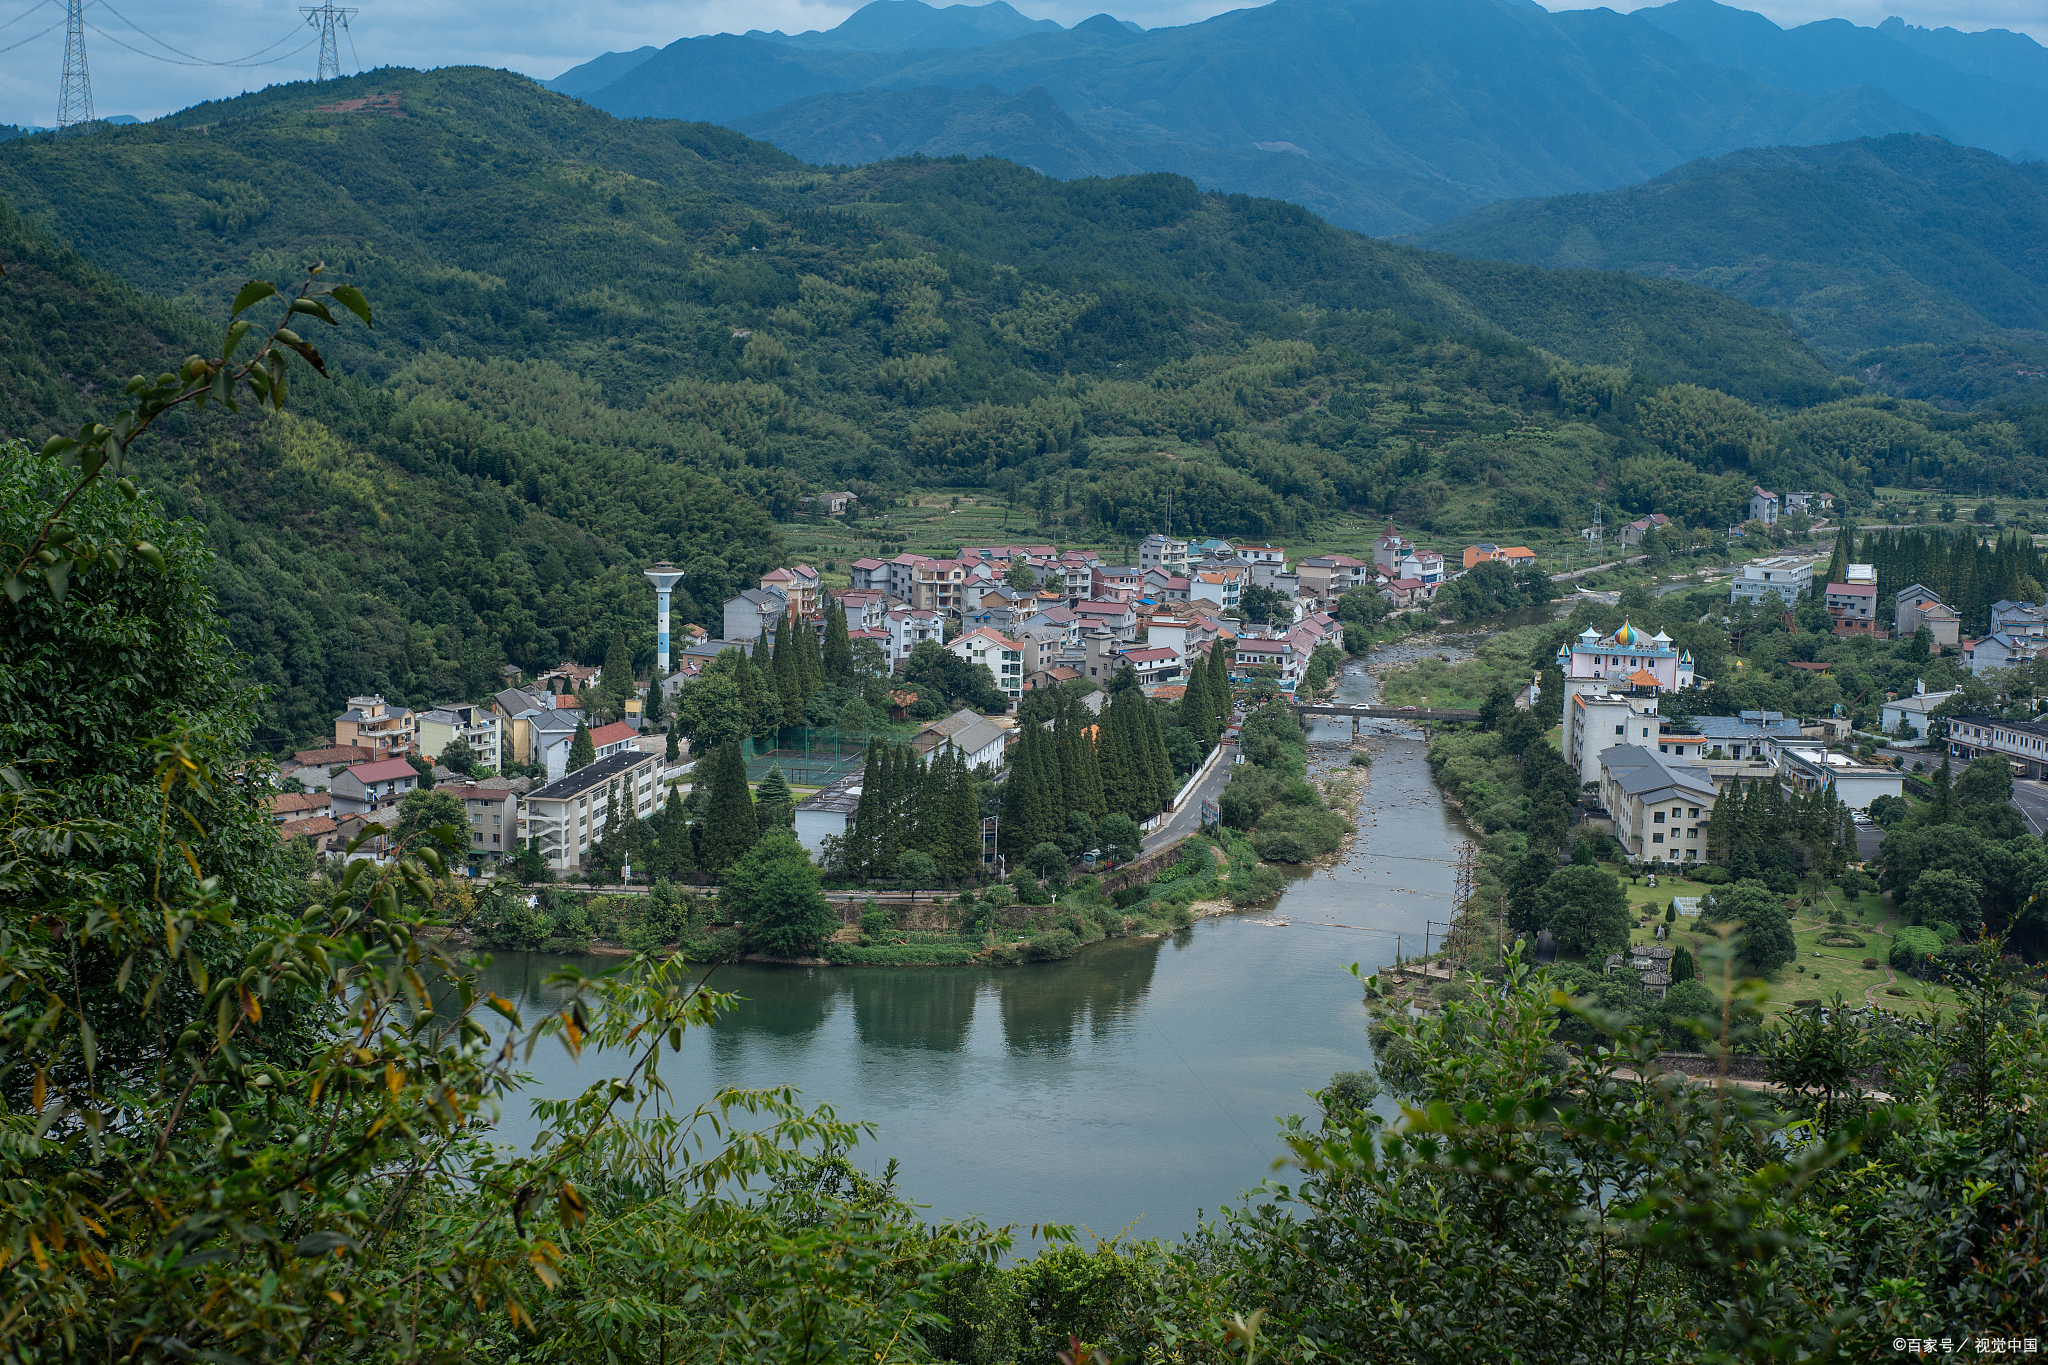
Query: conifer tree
(838, 645)
(956, 841)
(618, 669)
(1067, 744)
(1197, 709)
(1722, 823)
(730, 823)
(582, 753)
(810, 668)
(774, 804)
(863, 836)
(675, 752)
(1838, 563)
(653, 713)
(1162, 762)
(789, 688)
(1113, 762)
(895, 786)
(1020, 796)
(743, 684)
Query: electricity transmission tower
(74, 91)
(327, 18)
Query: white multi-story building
(1598, 717)
(1002, 656)
(1163, 552)
(1784, 575)
(909, 627)
(565, 817)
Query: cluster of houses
(1656, 779)
(1076, 615)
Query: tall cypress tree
(1113, 762)
(1089, 732)
(895, 783)
(1162, 762)
(743, 684)
(789, 685)
(582, 753)
(810, 668)
(1197, 711)
(1838, 563)
(730, 824)
(838, 645)
(864, 835)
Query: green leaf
(253, 293)
(351, 298)
(236, 331)
(59, 575)
(150, 555)
(315, 308)
(58, 446)
(319, 1243)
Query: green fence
(816, 757)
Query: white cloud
(543, 40)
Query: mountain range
(1383, 115)
(1867, 246)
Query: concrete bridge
(1415, 715)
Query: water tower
(664, 576)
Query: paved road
(2031, 796)
(1188, 818)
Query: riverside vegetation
(603, 343)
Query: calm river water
(1135, 1083)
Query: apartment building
(1789, 577)
(451, 721)
(1003, 657)
(369, 723)
(1660, 808)
(493, 818)
(565, 817)
(1853, 607)
(797, 585)
(909, 627)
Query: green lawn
(1838, 967)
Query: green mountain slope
(1867, 244)
(601, 343)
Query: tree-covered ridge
(1864, 245)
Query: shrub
(1713, 876)
(1870, 964)
(1252, 884)
(1911, 946)
(1052, 945)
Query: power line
(173, 61)
(192, 58)
(26, 41)
(26, 13)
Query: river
(1129, 1086)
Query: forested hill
(1876, 243)
(601, 343)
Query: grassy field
(1821, 969)
(1503, 658)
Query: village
(1034, 616)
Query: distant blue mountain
(1385, 115)
(880, 26)
(1989, 89)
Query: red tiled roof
(314, 825)
(285, 802)
(612, 734)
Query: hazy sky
(545, 39)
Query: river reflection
(1136, 1082)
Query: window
(1693, 833)
(1621, 729)
(1658, 817)
(1693, 812)
(1656, 838)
